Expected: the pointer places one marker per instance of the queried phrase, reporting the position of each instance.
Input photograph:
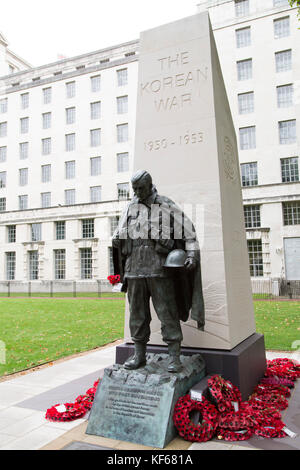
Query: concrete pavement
(24, 400)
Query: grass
(36, 331)
(262, 296)
(62, 294)
(279, 322)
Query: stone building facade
(67, 138)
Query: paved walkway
(25, 399)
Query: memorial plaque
(137, 406)
(186, 140)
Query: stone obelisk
(186, 139)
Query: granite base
(244, 365)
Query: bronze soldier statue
(153, 237)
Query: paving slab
(33, 440)
(79, 445)
(65, 393)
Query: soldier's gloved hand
(116, 242)
(190, 263)
(167, 243)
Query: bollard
(289, 289)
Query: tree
(295, 3)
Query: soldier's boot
(174, 358)
(139, 357)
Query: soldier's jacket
(147, 232)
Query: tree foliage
(295, 3)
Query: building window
(283, 61)
(86, 265)
(252, 216)
(24, 100)
(241, 8)
(2, 179)
(243, 37)
(291, 213)
(285, 96)
(60, 230)
(36, 232)
(70, 142)
(59, 264)
(47, 95)
(96, 110)
(23, 202)
(122, 133)
(255, 258)
(282, 27)
(3, 154)
(95, 166)
(46, 117)
(246, 102)
(95, 193)
(23, 176)
(2, 204)
(3, 129)
(70, 89)
(289, 169)
(24, 125)
(23, 150)
(11, 233)
(96, 83)
(95, 136)
(122, 77)
(46, 200)
(122, 104)
(69, 196)
(87, 228)
(244, 69)
(70, 115)
(46, 173)
(287, 132)
(10, 265)
(247, 138)
(70, 170)
(123, 191)
(114, 222)
(123, 161)
(33, 265)
(3, 105)
(46, 146)
(249, 174)
(279, 3)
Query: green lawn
(36, 331)
(62, 294)
(279, 322)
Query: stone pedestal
(244, 365)
(137, 406)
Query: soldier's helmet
(175, 259)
